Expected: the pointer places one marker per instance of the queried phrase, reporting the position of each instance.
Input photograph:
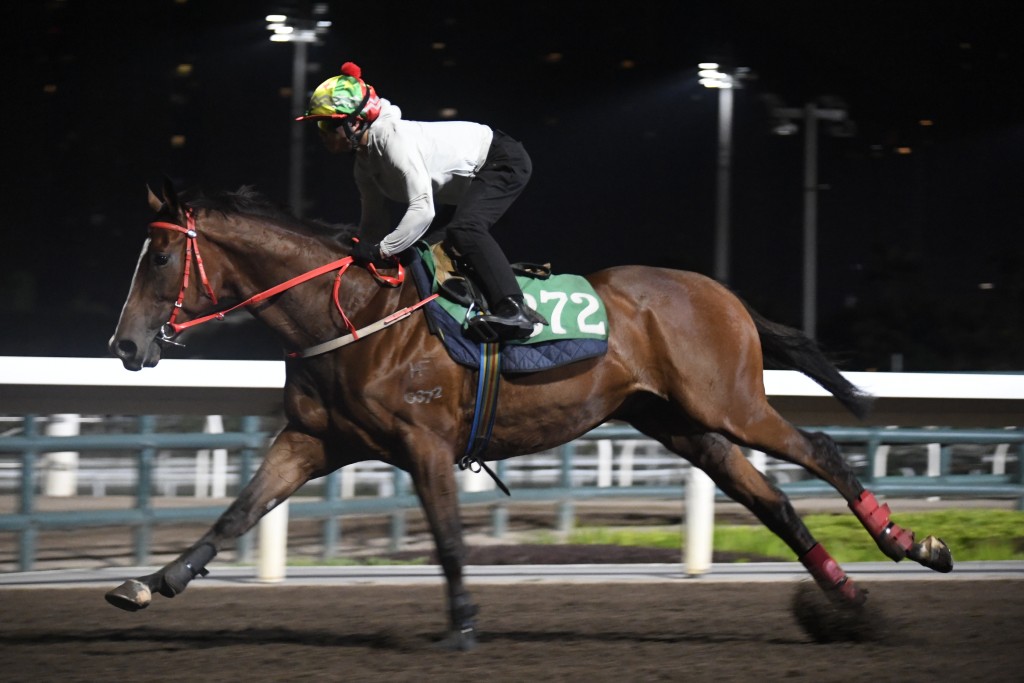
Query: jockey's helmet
(342, 97)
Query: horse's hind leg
(292, 460)
(820, 455)
(741, 481)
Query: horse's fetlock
(831, 578)
(895, 541)
(176, 576)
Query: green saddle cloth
(568, 302)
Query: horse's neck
(265, 256)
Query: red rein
(192, 247)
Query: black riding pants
(490, 193)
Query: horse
(684, 365)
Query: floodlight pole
(722, 187)
(810, 292)
(296, 162)
(811, 114)
(725, 82)
(299, 32)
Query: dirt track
(928, 631)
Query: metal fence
(171, 456)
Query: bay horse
(684, 365)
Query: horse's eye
(161, 259)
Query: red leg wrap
(893, 539)
(830, 576)
(873, 516)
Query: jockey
(479, 170)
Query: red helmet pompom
(351, 69)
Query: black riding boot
(511, 318)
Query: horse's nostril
(125, 348)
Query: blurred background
(912, 160)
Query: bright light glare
(280, 38)
(274, 27)
(724, 83)
(276, 18)
(284, 29)
(323, 24)
(710, 73)
(708, 65)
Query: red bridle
(191, 247)
(172, 328)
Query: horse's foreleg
(741, 481)
(291, 461)
(437, 487)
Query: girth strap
(488, 382)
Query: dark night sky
(624, 158)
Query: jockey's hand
(365, 253)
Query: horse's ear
(154, 201)
(171, 197)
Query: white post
(476, 481)
(881, 466)
(999, 458)
(700, 521)
(759, 459)
(348, 480)
(604, 463)
(626, 462)
(202, 479)
(934, 459)
(273, 539)
(219, 473)
(62, 466)
(934, 464)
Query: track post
(700, 522)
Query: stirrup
(479, 331)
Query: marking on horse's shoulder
(423, 395)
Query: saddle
(454, 279)
(578, 328)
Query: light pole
(725, 83)
(300, 32)
(811, 113)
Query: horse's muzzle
(132, 356)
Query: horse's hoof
(932, 553)
(847, 594)
(459, 641)
(131, 596)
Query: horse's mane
(246, 200)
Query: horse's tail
(786, 348)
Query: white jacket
(416, 164)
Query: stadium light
(810, 114)
(301, 32)
(711, 76)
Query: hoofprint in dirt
(930, 630)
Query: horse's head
(160, 286)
